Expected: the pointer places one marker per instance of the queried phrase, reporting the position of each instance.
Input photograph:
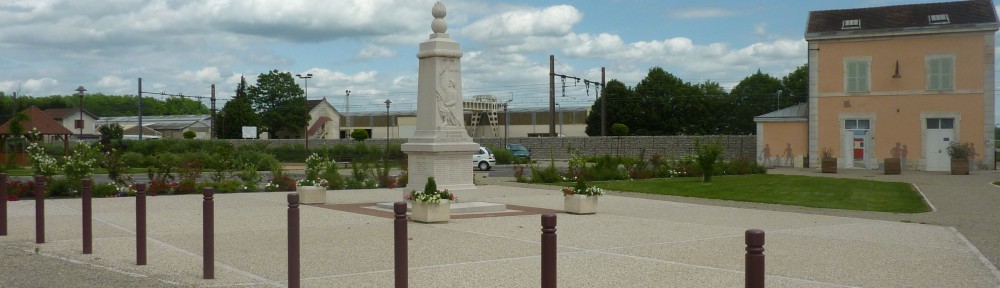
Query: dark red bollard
(208, 235)
(39, 209)
(755, 258)
(140, 224)
(401, 244)
(294, 259)
(3, 204)
(88, 232)
(549, 251)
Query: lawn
(820, 192)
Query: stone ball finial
(439, 11)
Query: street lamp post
(387, 102)
(506, 126)
(305, 131)
(80, 90)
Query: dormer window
(851, 24)
(938, 19)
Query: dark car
(519, 150)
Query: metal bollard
(3, 204)
(549, 251)
(755, 258)
(208, 235)
(140, 223)
(401, 244)
(294, 259)
(39, 209)
(88, 213)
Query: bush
(190, 134)
(548, 175)
(103, 190)
(503, 156)
(359, 135)
(59, 188)
(708, 154)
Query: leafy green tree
(621, 103)
(660, 93)
(796, 86)
(238, 112)
(619, 129)
(754, 96)
(359, 135)
(279, 103)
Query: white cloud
(701, 12)
(207, 75)
(514, 26)
(112, 81)
(760, 29)
(375, 51)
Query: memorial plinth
(440, 146)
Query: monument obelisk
(440, 147)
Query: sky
(50, 47)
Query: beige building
(68, 117)
(571, 121)
(893, 82)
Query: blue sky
(369, 46)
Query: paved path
(631, 242)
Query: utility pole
(604, 106)
(211, 126)
(140, 109)
(552, 95)
(347, 111)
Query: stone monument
(440, 147)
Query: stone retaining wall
(544, 148)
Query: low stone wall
(738, 146)
(634, 146)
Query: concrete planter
(431, 212)
(580, 204)
(829, 165)
(892, 166)
(311, 194)
(959, 166)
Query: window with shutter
(856, 78)
(940, 73)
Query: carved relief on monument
(448, 99)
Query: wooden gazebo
(37, 120)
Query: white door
(855, 143)
(940, 132)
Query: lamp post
(506, 126)
(387, 102)
(305, 131)
(80, 90)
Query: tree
(237, 113)
(660, 92)
(359, 135)
(621, 103)
(279, 103)
(796, 86)
(754, 96)
(619, 129)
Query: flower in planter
(312, 182)
(430, 194)
(581, 188)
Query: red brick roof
(39, 120)
(970, 13)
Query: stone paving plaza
(631, 242)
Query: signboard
(249, 132)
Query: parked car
(519, 151)
(484, 159)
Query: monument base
(449, 163)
